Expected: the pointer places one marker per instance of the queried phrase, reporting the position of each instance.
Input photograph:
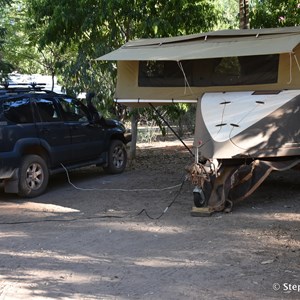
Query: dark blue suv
(42, 132)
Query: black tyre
(201, 196)
(33, 176)
(117, 157)
(199, 199)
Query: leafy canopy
(274, 13)
(5, 66)
(87, 29)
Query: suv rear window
(18, 111)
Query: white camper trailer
(246, 84)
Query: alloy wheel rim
(34, 176)
(118, 157)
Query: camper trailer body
(249, 124)
(246, 84)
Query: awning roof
(226, 43)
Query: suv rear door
(54, 135)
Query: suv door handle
(45, 130)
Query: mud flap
(11, 185)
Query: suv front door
(87, 138)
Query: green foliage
(274, 13)
(16, 47)
(117, 21)
(21, 47)
(99, 26)
(230, 14)
(5, 66)
(87, 29)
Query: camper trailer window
(164, 73)
(227, 71)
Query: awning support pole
(169, 126)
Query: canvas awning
(226, 43)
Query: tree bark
(134, 129)
(244, 14)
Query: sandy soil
(90, 243)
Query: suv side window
(47, 110)
(73, 110)
(18, 111)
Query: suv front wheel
(33, 176)
(117, 157)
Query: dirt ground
(88, 241)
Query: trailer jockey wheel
(199, 197)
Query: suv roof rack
(23, 88)
(31, 85)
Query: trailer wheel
(199, 198)
(33, 176)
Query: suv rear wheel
(33, 176)
(117, 157)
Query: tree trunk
(244, 14)
(134, 127)
(53, 80)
